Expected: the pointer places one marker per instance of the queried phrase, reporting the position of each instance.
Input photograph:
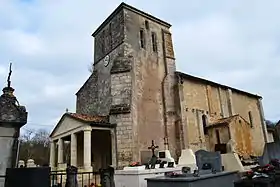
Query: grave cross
(153, 147)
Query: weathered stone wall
(243, 105)
(94, 97)
(216, 102)
(148, 74)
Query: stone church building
(135, 95)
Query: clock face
(106, 61)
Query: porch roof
(225, 121)
(83, 119)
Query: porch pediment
(72, 121)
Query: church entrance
(101, 149)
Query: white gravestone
(187, 159)
(21, 163)
(30, 163)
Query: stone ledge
(121, 65)
(120, 109)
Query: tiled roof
(220, 121)
(88, 118)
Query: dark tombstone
(29, 177)
(153, 161)
(107, 177)
(71, 176)
(271, 151)
(208, 160)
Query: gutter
(166, 144)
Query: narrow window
(147, 25)
(250, 118)
(204, 123)
(218, 136)
(154, 42)
(142, 38)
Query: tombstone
(107, 177)
(71, 176)
(12, 117)
(188, 159)
(29, 177)
(21, 164)
(165, 156)
(30, 163)
(208, 160)
(271, 151)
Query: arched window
(204, 123)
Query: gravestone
(30, 163)
(208, 160)
(187, 158)
(271, 151)
(12, 117)
(29, 177)
(107, 177)
(71, 176)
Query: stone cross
(153, 147)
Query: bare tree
(35, 145)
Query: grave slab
(221, 179)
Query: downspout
(166, 144)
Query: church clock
(106, 60)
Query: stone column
(114, 154)
(74, 150)
(87, 149)
(52, 155)
(60, 152)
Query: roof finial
(67, 110)
(9, 77)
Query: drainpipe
(166, 144)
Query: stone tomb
(209, 173)
(135, 176)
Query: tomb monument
(12, 117)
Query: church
(135, 95)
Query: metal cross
(9, 77)
(153, 147)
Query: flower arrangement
(134, 164)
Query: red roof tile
(88, 118)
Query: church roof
(198, 79)
(133, 9)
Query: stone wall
(148, 74)
(216, 102)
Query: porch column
(73, 150)
(52, 154)
(113, 143)
(60, 152)
(87, 148)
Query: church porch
(83, 144)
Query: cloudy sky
(50, 44)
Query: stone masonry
(135, 83)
